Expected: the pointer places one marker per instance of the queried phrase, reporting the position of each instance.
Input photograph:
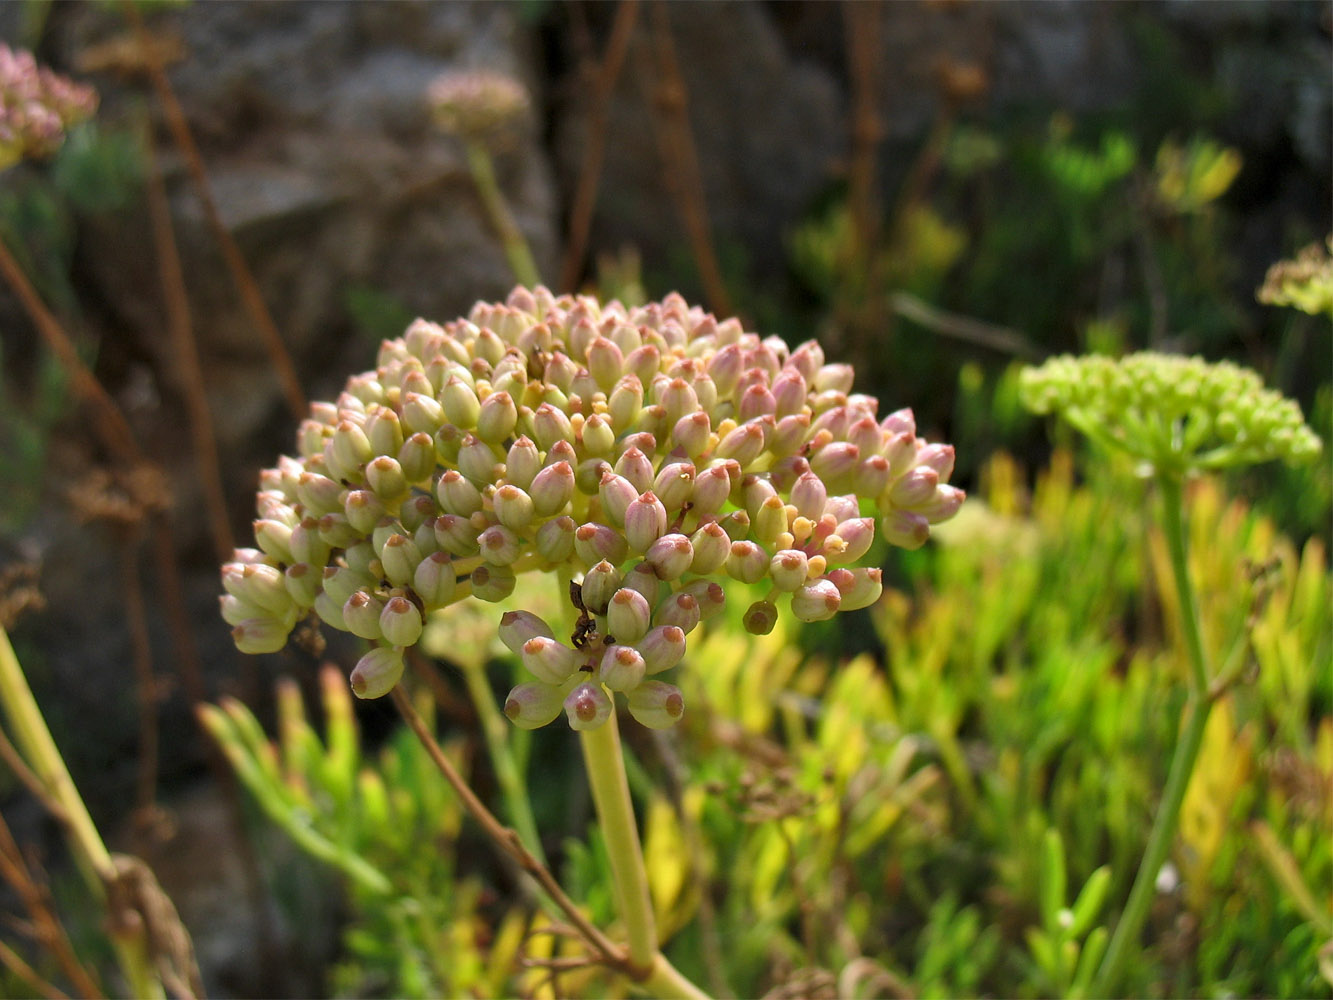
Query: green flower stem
(90, 853)
(1197, 707)
(605, 761)
(511, 237)
(495, 729)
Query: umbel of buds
(36, 107)
(650, 455)
(1174, 413)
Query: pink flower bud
(905, 529)
(624, 404)
(671, 556)
(400, 557)
(691, 433)
(457, 495)
(943, 505)
(492, 583)
(320, 494)
(747, 562)
(643, 363)
(836, 464)
(712, 487)
(549, 660)
(260, 635)
(499, 545)
(551, 425)
(859, 587)
(456, 535)
(674, 485)
(628, 616)
(616, 493)
(816, 601)
(434, 580)
(376, 673)
(724, 368)
(622, 667)
(517, 627)
(853, 540)
(383, 430)
(634, 466)
(679, 400)
(599, 584)
(330, 612)
(459, 401)
(662, 648)
(789, 392)
(513, 508)
(274, 538)
(307, 545)
(598, 437)
(497, 417)
(645, 522)
(478, 461)
(361, 613)
(914, 488)
(349, 448)
(422, 413)
(681, 610)
(416, 510)
(400, 622)
(788, 569)
(605, 363)
(711, 547)
(258, 584)
(770, 521)
(417, 457)
(533, 705)
(643, 579)
(756, 401)
(555, 539)
(595, 542)
(744, 444)
(789, 434)
(364, 510)
(587, 706)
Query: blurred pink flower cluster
(37, 106)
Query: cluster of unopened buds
(36, 107)
(647, 455)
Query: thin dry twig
(144, 677)
(15, 762)
(46, 927)
(181, 331)
(508, 841)
(240, 271)
(680, 161)
(108, 422)
(861, 21)
(964, 328)
(594, 145)
(11, 960)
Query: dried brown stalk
(108, 422)
(862, 22)
(680, 161)
(144, 680)
(240, 271)
(509, 842)
(47, 929)
(594, 146)
(181, 331)
(11, 960)
(27, 777)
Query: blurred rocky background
(732, 132)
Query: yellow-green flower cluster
(1176, 413)
(650, 455)
(36, 107)
(1305, 282)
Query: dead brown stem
(181, 331)
(108, 422)
(14, 761)
(240, 271)
(47, 929)
(594, 146)
(680, 161)
(861, 20)
(11, 960)
(144, 680)
(508, 840)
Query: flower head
(653, 455)
(477, 104)
(37, 106)
(1173, 412)
(1304, 282)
